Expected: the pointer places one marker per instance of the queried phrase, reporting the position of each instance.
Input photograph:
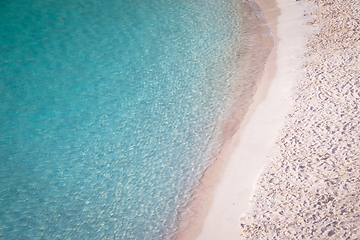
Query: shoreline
(193, 215)
(262, 124)
(231, 179)
(201, 204)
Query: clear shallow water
(110, 112)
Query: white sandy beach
(310, 189)
(254, 144)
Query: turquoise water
(110, 112)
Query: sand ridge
(311, 189)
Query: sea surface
(111, 111)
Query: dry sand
(310, 189)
